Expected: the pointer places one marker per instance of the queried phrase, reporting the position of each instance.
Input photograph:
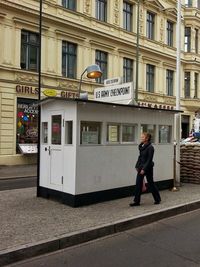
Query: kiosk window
(149, 128)
(27, 119)
(90, 133)
(68, 132)
(44, 132)
(165, 134)
(113, 131)
(128, 133)
(56, 130)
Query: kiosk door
(56, 150)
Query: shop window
(149, 128)
(45, 132)
(68, 132)
(90, 133)
(56, 129)
(165, 134)
(113, 133)
(27, 120)
(128, 133)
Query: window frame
(118, 131)
(150, 24)
(67, 57)
(159, 135)
(99, 123)
(135, 133)
(101, 59)
(127, 16)
(187, 86)
(170, 33)
(187, 39)
(170, 82)
(69, 4)
(28, 45)
(127, 69)
(101, 10)
(150, 78)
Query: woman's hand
(142, 172)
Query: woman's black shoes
(134, 204)
(157, 202)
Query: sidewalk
(18, 171)
(31, 226)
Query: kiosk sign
(122, 93)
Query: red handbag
(144, 188)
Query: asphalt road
(15, 183)
(171, 242)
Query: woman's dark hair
(148, 136)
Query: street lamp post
(93, 72)
(137, 51)
(178, 115)
(39, 93)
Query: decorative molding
(151, 98)
(141, 19)
(116, 12)
(70, 35)
(26, 78)
(162, 30)
(103, 45)
(21, 22)
(68, 86)
(87, 7)
(2, 15)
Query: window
(56, 126)
(27, 121)
(113, 133)
(196, 82)
(127, 70)
(68, 132)
(70, 4)
(149, 128)
(187, 39)
(150, 73)
(188, 3)
(170, 82)
(170, 28)
(187, 84)
(69, 59)
(128, 133)
(165, 134)
(198, 4)
(150, 25)
(127, 16)
(29, 50)
(90, 133)
(101, 60)
(196, 41)
(45, 132)
(101, 10)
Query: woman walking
(144, 167)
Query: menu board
(28, 148)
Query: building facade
(76, 34)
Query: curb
(12, 255)
(17, 177)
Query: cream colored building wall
(82, 28)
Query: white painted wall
(90, 168)
(106, 166)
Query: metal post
(39, 94)
(81, 79)
(178, 71)
(137, 51)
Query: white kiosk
(89, 149)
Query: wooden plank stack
(190, 163)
